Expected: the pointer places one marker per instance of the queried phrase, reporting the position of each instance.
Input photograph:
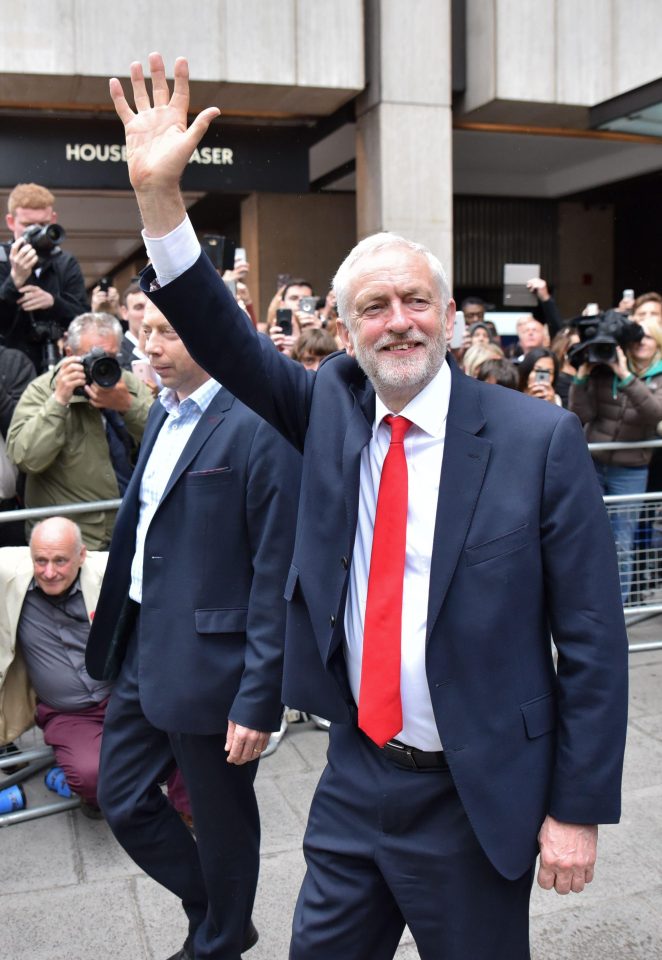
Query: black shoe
(93, 812)
(251, 938)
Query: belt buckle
(404, 751)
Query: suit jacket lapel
(17, 587)
(357, 435)
(462, 473)
(209, 421)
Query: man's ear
(10, 221)
(346, 338)
(83, 554)
(449, 320)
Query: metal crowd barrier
(637, 523)
(640, 560)
(65, 510)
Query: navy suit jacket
(212, 618)
(522, 547)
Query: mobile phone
(239, 254)
(543, 376)
(284, 320)
(628, 294)
(104, 284)
(308, 305)
(282, 280)
(213, 245)
(143, 370)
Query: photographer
(74, 434)
(41, 286)
(620, 399)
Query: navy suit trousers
(387, 846)
(215, 873)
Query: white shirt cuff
(173, 254)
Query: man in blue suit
(459, 752)
(191, 620)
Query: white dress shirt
(424, 447)
(173, 436)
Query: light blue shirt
(168, 447)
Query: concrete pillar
(305, 235)
(586, 257)
(404, 128)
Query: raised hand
(159, 141)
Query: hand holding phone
(284, 320)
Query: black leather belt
(413, 759)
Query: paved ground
(68, 892)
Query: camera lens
(105, 371)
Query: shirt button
(332, 621)
(344, 562)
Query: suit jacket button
(332, 621)
(345, 562)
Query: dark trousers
(215, 874)
(387, 846)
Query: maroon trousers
(76, 742)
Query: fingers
(564, 881)
(200, 125)
(122, 108)
(180, 93)
(160, 90)
(244, 744)
(140, 95)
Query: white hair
(372, 244)
(103, 323)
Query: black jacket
(61, 276)
(16, 372)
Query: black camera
(600, 335)
(101, 368)
(44, 238)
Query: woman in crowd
(622, 401)
(566, 338)
(477, 354)
(538, 371)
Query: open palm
(159, 142)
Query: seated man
(48, 593)
(77, 441)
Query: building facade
(493, 130)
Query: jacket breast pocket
(208, 477)
(498, 546)
(539, 715)
(221, 620)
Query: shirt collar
(429, 408)
(201, 397)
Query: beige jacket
(17, 698)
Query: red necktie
(380, 707)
